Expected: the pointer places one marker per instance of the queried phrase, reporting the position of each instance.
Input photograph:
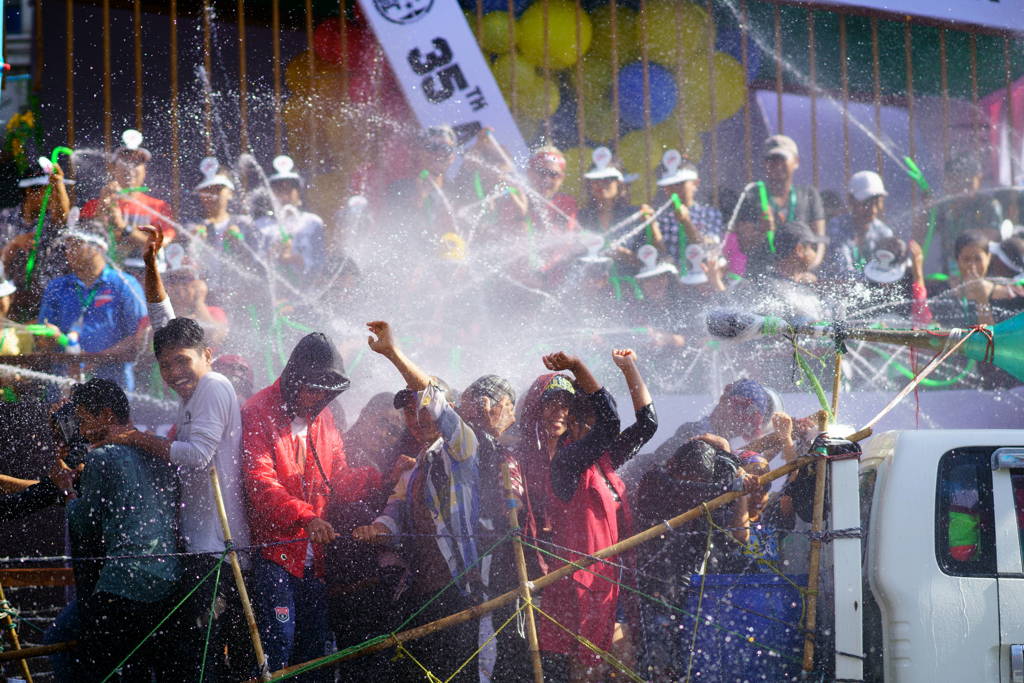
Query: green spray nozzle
(58, 151)
(130, 190)
(915, 174)
(766, 210)
(425, 174)
(49, 332)
(677, 202)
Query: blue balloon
(728, 41)
(664, 93)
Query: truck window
(1017, 481)
(965, 525)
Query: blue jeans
(65, 627)
(292, 616)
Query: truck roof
(932, 443)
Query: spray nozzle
(915, 174)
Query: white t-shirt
(300, 429)
(209, 432)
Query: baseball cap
(652, 265)
(604, 167)
(865, 185)
(548, 157)
(556, 385)
(674, 169)
(284, 169)
(131, 149)
(780, 145)
(408, 397)
(210, 168)
(491, 386)
(752, 391)
(790, 234)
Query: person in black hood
(294, 463)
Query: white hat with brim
(606, 173)
(217, 180)
(659, 269)
(695, 255)
(39, 181)
(882, 269)
(593, 243)
(680, 175)
(867, 184)
(284, 169)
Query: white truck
(934, 608)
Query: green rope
(209, 623)
(811, 379)
(700, 596)
(928, 382)
(165, 618)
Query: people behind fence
(404, 519)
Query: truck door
(1008, 503)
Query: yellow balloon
(503, 69)
(324, 81)
(674, 30)
(496, 32)
(539, 99)
(599, 120)
(573, 183)
(626, 33)
(730, 86)
(561, 34)
(597, 78)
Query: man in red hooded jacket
(294, 462)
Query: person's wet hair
(179, 333)
(97, 394)
(970, 238)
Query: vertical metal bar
(973, 45)
(614, 11)
(311, 128)
(944, 77)
(107, 96)
(69, 69)
(876, 79)
(137, 26)
(208, 68)
(748, 144)
(479, 17)
(844, 84)
(712, 100)
(513, 99)
(38, 54)
(581, 114)
(908, 52)
(275, 41)
(645, 70)
(778, 67)
(680, 73)
(343, 43)
(546, 68)
(243, 82)
(175, 161)
(1008, 72)
(812, 74)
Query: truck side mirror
(1008, 459)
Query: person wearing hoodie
(453, 493)
(293, 462)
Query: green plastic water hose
(766, 209)
(30, 264)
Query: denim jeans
(292, 616)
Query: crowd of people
(401, 518)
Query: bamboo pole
(645, 71)
(311, 127)
(817, 522)
(236, 568)
(175, 122)
(844, 84)
(11, 629)
(69, 69)
(709, 32)
(542, 582)
(908, 50)
(812, 61)
(581, 114)
(207, 10)
(778, 67)
(613, 10)
(944, 78)
(511, 31)
(1008, 75)
(546, 68)
(748, 148)
(38, 651)
(38, 51)
(524, 578)
(837, 383)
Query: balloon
(327, 41)
(730, 91)
(663, 93)
(525, 75)
(561, 34)
(573, 183)
(532, 102)
(728, 41)
(626, 33)
(664, 136)
(324, 81)
(599, 120)
(674, 30)
(495, 35)
(597, 79)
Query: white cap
(671, 160)
(284, 168)
(648, 255)
(695, 275)
(593, 243)
(210, 168)
(131, 145)
(866, 184)
(603, 168)
(37, 181)
(883, 268)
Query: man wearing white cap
(103, 306)
(125, 206)
(690, 222)
(855, 235)
(291, 236)
(783, 202)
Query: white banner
(444, 76)
(1003, 14)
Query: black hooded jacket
(314, 363)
